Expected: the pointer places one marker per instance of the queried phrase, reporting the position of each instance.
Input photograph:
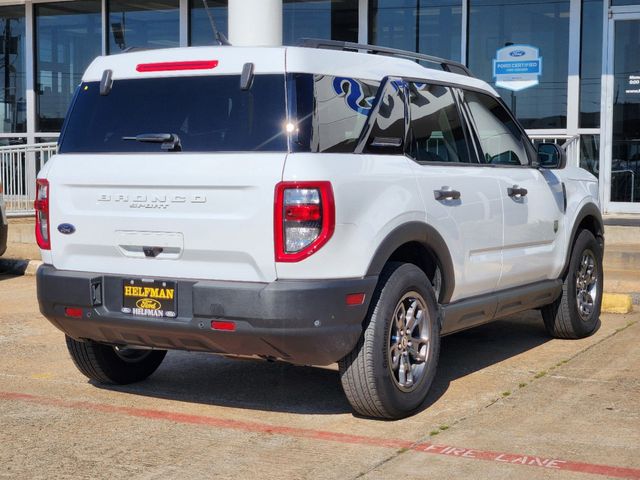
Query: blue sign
(517, 67)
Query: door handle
(517, 192)
(446, 193)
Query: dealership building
(569, 69)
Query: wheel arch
(422, 245)
(588, 218)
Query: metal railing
(570, 144)
(19, 166)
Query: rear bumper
(301, 321)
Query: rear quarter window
(331, 111)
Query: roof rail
(446, 65)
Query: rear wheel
(113, 365)
(576, 313)
(389, 372)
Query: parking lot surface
(508, 402)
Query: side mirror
(551, 156)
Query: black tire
(104, 364)
(369, 380)
(564, 318)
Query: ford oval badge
(517, 53)
(66, 228)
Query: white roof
(230, 60)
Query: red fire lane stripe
(437, 449)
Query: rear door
(461, 196)
(532, 198)
(199, 207)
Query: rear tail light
(41, 206)
(304, 219)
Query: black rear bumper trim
(300, 321)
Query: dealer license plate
(155, 298)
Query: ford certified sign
(517, 67)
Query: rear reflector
(173, 66)
(355, 299)
(226, 326)
(73, 312)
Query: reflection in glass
(330, 111)
(543, 24)
(201, 32)
(625, 158)
(12, 77)
(590, 63)
(590, 153)
(432, 27)
(67, 40)
(143, 24)
(330, 19)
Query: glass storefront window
(590, 63)
(10, 141)
(67, 40)
(432, 27)
(144, 24)
(590, 153)
(625, 149)
(544, 24)
(331, 19)
(12, 77)
(201, 32)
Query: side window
(386, 128)
(437, 132)
(331, 111)
(501, 140)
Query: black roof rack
(446, 65)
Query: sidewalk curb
(616, 303)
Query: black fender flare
(429, 238)
(587, 210)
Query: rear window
(207, 113)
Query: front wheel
(389, 372)
(113, 365)
(576, 313)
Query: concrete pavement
(508, 402)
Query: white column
(255, 23)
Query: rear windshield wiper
(169, 141)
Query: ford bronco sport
(329, 203)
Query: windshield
(205, 113)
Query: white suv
(315, 205)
